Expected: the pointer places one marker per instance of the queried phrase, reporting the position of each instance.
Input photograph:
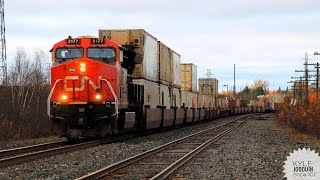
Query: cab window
(106, 55)
(69, 53)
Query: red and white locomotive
(101, 86)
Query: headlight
(64, 97)
(98, 96)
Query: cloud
(265, 39)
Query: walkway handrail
(49, 97)
(116, 101)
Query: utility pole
(306, 81)
(234, 80)
(3, 50)
(317, 83)
(306, 69)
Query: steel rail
(4, 162)
(124, 163)
(164, 174)
(28, 149)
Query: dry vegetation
(301, 118)
(23, 99)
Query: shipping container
(176, 98)
(238, 103)
(219, 102)
(188, 77)
(207, 101)
(200, 101)
(253, 102)
(277, 98)
(165, 96)
(213, 102)
(186, 99)
(194, 103)
(165, 59)
(176, 69)
(232, 103)
(151, 92)
(248, 102)
(143, 44)
(208, 86)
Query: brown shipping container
(165, 64)
(208, 86)
(142, 43)
(188, 77)
(175, 68)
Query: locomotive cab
(88, 87)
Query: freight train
(124, 80)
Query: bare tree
(26, 94)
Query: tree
(260, 86)
(26, 94)
(260, 83)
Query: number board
(97, 41)
(73, 41)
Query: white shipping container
(176, 98)
(165, 96)
(176, 77)
(165, 59)
(207, 101)
(226, 103)
(277, 98)
(150, 58)
(200, 101)
(238, 103)
(186, 99)
(151, 92)
(253, 102)
(219, 102)
(213, 102)
(194, 103)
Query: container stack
(208, 86)
(188, 77)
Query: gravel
(82, 162)
(248, 153)
(28, 142)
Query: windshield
(69, 53)
(101, 53)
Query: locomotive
(96, 92)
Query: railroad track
(161, 162)
(28, 153)
(18, 155)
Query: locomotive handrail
(50, 94)
(116, 101)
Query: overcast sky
(266, 39)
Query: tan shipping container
(208, 86)
(165, 59)
(142, 43)
(188, 77)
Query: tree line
(23, 97)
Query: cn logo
(82, 84)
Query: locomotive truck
(123, 80)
